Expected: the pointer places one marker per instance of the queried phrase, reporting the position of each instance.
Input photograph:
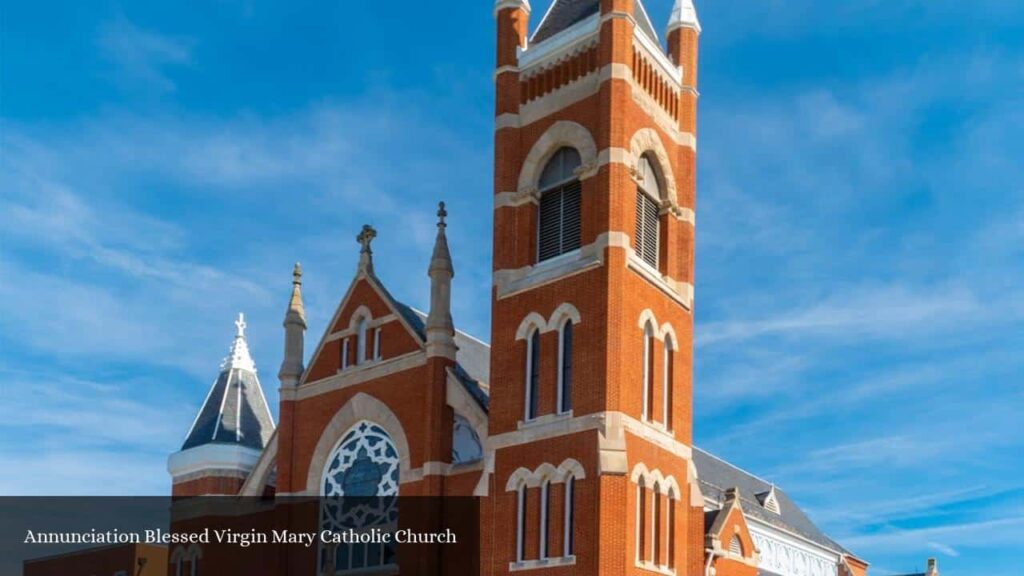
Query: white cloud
(869, 312)
(143, 55)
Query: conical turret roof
(235, 411)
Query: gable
(368, 300)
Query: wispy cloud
(871, 312)
(143, 56)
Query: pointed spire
(364, 238)
(294, 333)
(684, 15)
(238, 355)
(296, 310)
(440, 328)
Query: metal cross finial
(441, 215)
(365, 237)
(297, 274)
(240, 324)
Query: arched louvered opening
(736, 546)
(648, 200)
(560, 205)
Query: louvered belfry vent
(559, 222)
(646, 244)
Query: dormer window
(558, 222)
(770, 501)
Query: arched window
(641, 522)
(648, 372)
(520, 521)
(568, 537)
(361, 341)
(656, 525)
(670, 529)
(560, 197)
(565, 367)
(533, 374)
(365, 464)
(376, 344)
(545, 518)
(648, 198)
(668, 372)
(344, 353)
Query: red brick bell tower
(591, 373)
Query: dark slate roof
(235, 412)
(717, 475)
(473, 357)
(766, 573)
(564, 14)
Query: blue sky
(860, 290)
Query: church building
(573, 427)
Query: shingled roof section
(565, 14)
(716, 476)
(235, 411)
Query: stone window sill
(543, 563)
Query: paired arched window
(655, 524)
(533, 374)
(648, 198)
(565, 345)
(538, 517)
(560, 199)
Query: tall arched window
(568, 537)
(648, 371)
(668, 371)
(560, 197)
(545, 518)
(565, 367)
(533, 374)
(520, 522)
(648, 198)
(641, 521)
(361, 341)
(670, 529)
(656, 525)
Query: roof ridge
(731, 465)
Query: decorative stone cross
(365, 238)
(240, 324)
(441, 215)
